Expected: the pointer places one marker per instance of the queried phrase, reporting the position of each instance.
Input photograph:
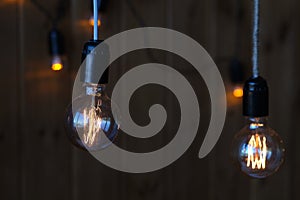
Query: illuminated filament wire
(257, 152)
(92, 125)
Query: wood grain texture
(38, 162)
(10, 175)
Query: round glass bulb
(258, 150)
(91, 125)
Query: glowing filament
(257, 152)
(92, 125)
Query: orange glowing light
(257, 152)
(238, 92)
(91, 22)
(56, 66)
(8, 2)
(92, 125)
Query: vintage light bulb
(90, 122)
(257, 149)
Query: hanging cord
(96, 8)
(255, 38)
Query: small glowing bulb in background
(237, 77)
(91, 21)
(56, 63)
(56, 49)
(238, 91)
(257, 149)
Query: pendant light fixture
(55, 37)
(90, 123)
(236, 76)
(56, 49)
(257, 149)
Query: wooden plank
(45, 148)
(41, 158)
(9, 135)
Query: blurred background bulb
(91, 21)
(238, 91)
(237, 77)
(257, 149)
(56, 63)
(56, 49)
(91, 125)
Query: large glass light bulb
(257, 149)
(91, 125)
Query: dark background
(37, 160)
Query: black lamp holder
(56, 44)
(256, 97)
(87, 71)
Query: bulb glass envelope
(258, 150)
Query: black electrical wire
(255, 38)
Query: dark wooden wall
(38, 162)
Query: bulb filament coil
(257, 152)
(92, 124)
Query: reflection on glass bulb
(257, 149)
(91, 125)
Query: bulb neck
(262, 120)
(95, 89)
(256, 122)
